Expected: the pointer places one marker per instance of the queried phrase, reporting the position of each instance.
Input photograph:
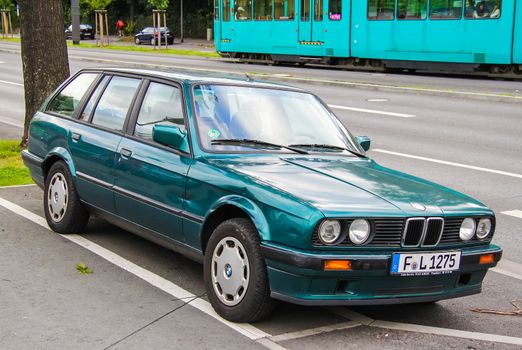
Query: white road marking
(373, 111)
(2, 62)
(409, 327)
(11, 122)
(509, 268)
(10, 83)
(499, 172)
(351, 315)
(447, 332)
(315, 331)
(515, 213)
(246, 329)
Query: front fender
(248, 206)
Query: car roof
(206, 78)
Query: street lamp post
(181, 21)
(75, 16)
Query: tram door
(226, 29)
(311, 26)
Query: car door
(94, 145)
(151, 178)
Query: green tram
(439, 35)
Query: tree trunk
(44, 52)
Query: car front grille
(408, 233)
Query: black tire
(256, 304)
(74, 217)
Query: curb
(321, 82)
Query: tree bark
(44, 52)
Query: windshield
(282, 117)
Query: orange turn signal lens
(487, 259)
(337, 265)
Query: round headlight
(483, 228)
(467, 229)
(329, 231)
(359, 231)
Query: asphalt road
(469, 145)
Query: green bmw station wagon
(259, 182)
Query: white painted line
(314, 331)
(499, 172)
(515, 213)
(17, 186)
(159, 282)
(509, 268)
(270, 344)
(351, 315)
(2, 62)
(373, 111)
(10, 83)
(447, 332)
(11, 122)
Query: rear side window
(381, 9)
(69, 98)
(114, 104)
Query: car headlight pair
(331, 230)
(469, 228)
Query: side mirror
(171, 136)
(364, 141)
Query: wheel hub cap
(230, 271)
(57, 197)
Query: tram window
(216, 10)
(483, 9)
(335, 8)
(381, 9)
(242, 10)
(445, 9)
(412, 9)
(284, 9)
(305, 10)
(318, 10)
(262, 9)
(225, 10)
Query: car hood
(341, 186)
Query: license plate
(425, 263)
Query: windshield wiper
(324, 146)
(255, 143)
(166, 119)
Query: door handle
(126, 153)
(76, 137)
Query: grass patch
(135, 48)
(12, 168)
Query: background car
(86, 32)
(146, 36)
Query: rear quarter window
(68, 100)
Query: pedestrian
(119, 26)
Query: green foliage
(6, 4)
(83, 269)
(95, 4)
(158, 4)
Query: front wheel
(235, 273)
(137, 41)
(152, 41)
(63, 210)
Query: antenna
(249, 78)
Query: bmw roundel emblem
(418, 206)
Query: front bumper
(299, 277)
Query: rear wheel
(235, 273)
(137, 41)
(152, 41)
(63, 209)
